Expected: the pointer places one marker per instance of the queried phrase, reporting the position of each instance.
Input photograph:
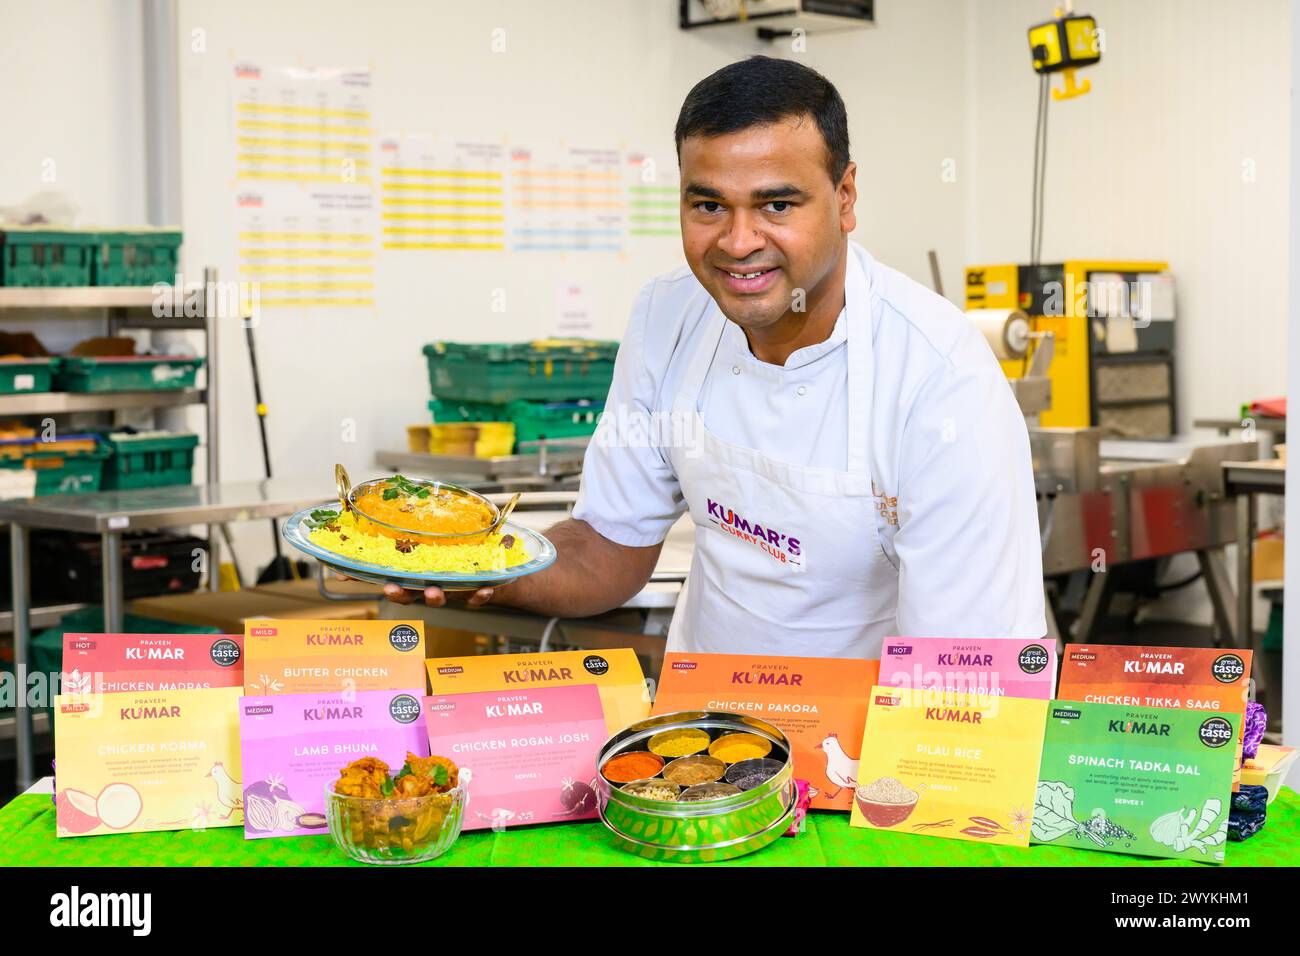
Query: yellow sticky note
(951, 764)
(152, 760)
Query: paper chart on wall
(440, 195)
(652, 191)
(566, 199)
(304, 185)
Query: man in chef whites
(844, 440)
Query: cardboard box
(228, 610)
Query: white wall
(604, 73)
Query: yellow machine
(1063, 45)
(1114, 358)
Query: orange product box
(1187, 678)
(325, 657)
(819, 703)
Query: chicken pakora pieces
(427, 767)
(363, 778)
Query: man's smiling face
(762, 219)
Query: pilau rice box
(1192, 678)
(157, 760)
(115, 663)
(819, 703)
(327, 657)
(616, 674)
(293, 745)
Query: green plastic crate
(126, 373)
(18, 376)
(533, 421)
(46, 257)
(149, 459)
(137, 257)
(547, 370)
(62, 474)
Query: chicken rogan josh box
(819, 703)
(324, 657)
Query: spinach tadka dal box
(616, 674)
(325, 657)
(1145, 780)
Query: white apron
(788, 559)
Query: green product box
(1149, 781)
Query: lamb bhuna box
(158, 760)
(616, 674)
(325, 657)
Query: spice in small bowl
(707, 791)
(654, 789)
(632, 765)
(733, 748)
(748, 774)
(886, 802)
(689, 771)
(679, 743)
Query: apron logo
(886, 505)
(779, 546)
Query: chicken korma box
(162, 760)
(616, 674)
(1191, 678)
(115, 663)
(1000, 666)
(326, 657)
(295, 744)
(950, 764)
(819, 703)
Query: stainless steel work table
(111, 513)
(1245, 480)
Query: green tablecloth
(27, 839)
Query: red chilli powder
(636, 765)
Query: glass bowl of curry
(419, 510)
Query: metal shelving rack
(124, 307)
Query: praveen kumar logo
(76, 909)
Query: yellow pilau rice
(347, 542)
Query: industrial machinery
(1113, 331)
(1063, 45)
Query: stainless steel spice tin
(702, 831)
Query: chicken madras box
(293, 745)
(1192, 678)
(615, 673)
(1130, 779)
(158, 760)
(1000, 666)
(819, 703)
(950, 764)
(530, 753)
(116, 663)
(325, 657)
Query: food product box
(531, 753)
(116, 663)
(326, 657)
(160, 760)
(1194, 678)
(1268, 768)
(293, 745)
(819, 703)
(616, 674)
(950, 764)
(1152, 781)
(1001, 666)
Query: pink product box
(999, 667)
(125, 663)
(531, 754)
(293, 745)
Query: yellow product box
(156, 760)
(616, 674)
(951, 764)
(326, 657)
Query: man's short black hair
(762, 90)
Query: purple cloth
(1256, 721)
